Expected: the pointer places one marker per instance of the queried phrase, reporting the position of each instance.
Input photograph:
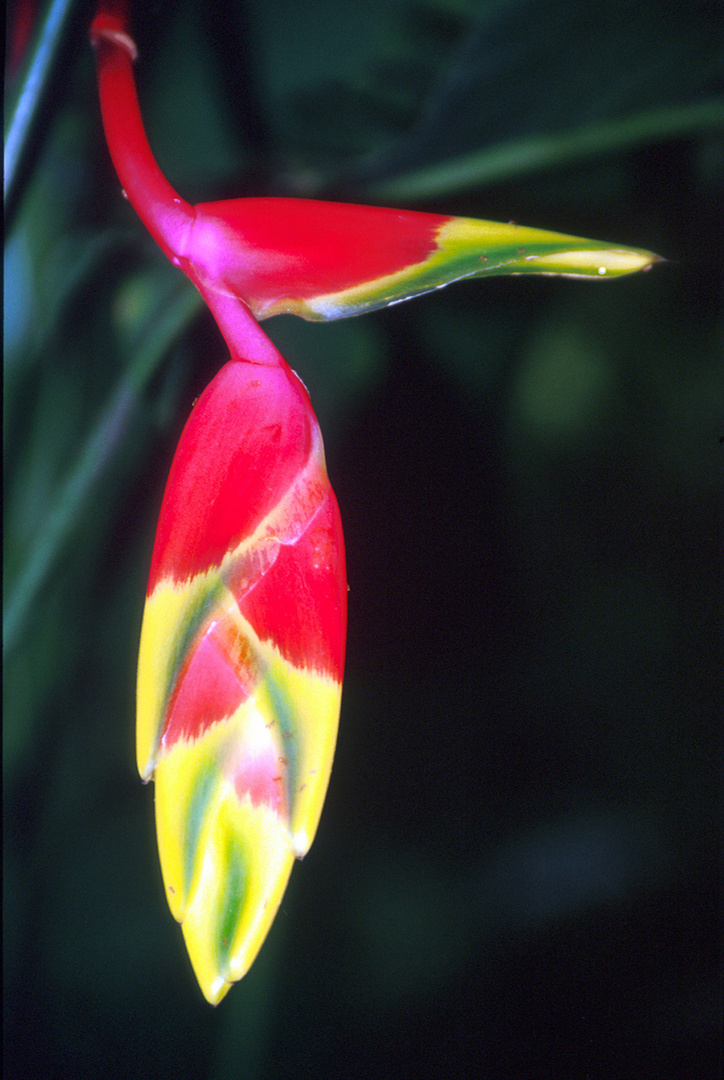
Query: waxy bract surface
(329, 260)
(240, 667)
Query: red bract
(280, 254)
(255, 426)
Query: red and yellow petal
(240, 667)
(326, 260)
(235, 806)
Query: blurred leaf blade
(94, 457)
(532, 154)
(22, 116)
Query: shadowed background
(516, 874)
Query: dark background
(517, 870)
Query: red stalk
(165, 214)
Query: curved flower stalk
(242, 646)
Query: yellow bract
(226, 857)
(168, 610)
(467, 247)
(225, 862)
(312, 703)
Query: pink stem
(242, 333)
(167, 216)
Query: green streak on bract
(284, 714)
(515, 250)
(201, 797)
(195, 618)
(231, 899)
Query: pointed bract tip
(601, 262)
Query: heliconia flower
(242, 645)
(240, 666)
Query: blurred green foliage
(517, 864)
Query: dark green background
(516, 874)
